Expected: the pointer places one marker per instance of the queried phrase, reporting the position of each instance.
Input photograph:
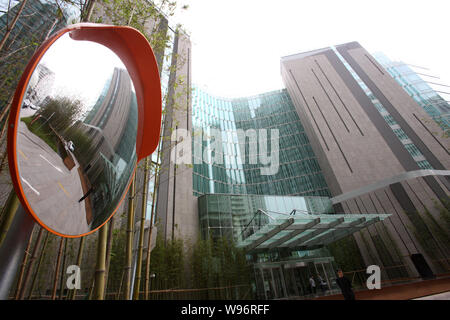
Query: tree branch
(13, 23)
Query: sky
(82, 80)
(237, 44)
(4, 5)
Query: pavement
(51, 189)
(435, 289)
(440, 296)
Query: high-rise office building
(291, 166)
(379, 152)
(252, 176)
(343, 151)
(176, 206)
(352, 144)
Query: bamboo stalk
(38, 266)
(141, 232)
(63, 270)
(147, 263)
(108, 251)
(120, 286)
(6, 109)
(78, 263)
(3, 131)
(91, 288)
(99, 285)
(58, 262)
(129, 245)
(30, 265)
(8, 213)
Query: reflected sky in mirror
(76, 140)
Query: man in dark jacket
(345, 285)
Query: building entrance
(284, 280)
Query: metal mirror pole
(13, 249)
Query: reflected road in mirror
(76, 137)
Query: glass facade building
(283, 220)
(232, 190)
(233, 216)
(277, 274)
(417, 85)
(284, 237)
(238, 170)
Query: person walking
(312, 284)
(322, 284)
(345, 285)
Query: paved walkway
(440, 296)
(408, 291)
(51, 189)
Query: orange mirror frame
(134, 50)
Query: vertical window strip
(377, 104)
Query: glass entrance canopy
(269, 222)
(308, 232)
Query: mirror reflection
(76, 138)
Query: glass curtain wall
(417, 85)
(235, 216)
(239, 172)
(278, 273)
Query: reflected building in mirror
(113, 160)
(75, 161)
(111, 128)
(39, 87)
(38, 20)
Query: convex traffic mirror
(83, 115)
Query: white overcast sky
(85, 80)
(237, 44)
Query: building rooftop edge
(240, 97)
(316, 51)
